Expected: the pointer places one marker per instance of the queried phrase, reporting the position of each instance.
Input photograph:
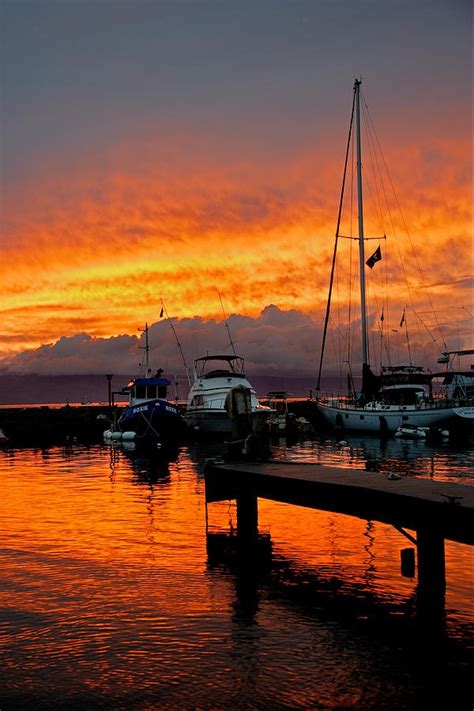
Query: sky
(174, 150)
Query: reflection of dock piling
(247, 519)
(435, 510)
(431, 577)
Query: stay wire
(405, 226)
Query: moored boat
(150, 416)
(283, 422)
(401, 395)
(457, 384)
(423, 433)
(280, 421)
(215, 376)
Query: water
(113, 597)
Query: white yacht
(404, 397)
(458, 383)
(214, 377)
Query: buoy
(117, 436)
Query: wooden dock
(434, 510)
(405, 502)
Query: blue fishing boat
(149, 412)
(149, 417)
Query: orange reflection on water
(107, 580)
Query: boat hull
(466, 413)
(156, 419)
(217, 421)
(384, 420)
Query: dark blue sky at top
(77, 75)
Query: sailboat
(401, 395)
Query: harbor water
(117, 594)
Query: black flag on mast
(375, 257)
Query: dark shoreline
(41, 426)
(49, 425)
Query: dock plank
(410, 502)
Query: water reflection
(442, 461)
(114, 597)
(150, 467)
(349, 622)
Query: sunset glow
(96, 232)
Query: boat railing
(346, 402)
(213, 403)
(216, 403)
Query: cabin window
(405, 418)
(151, 391)
(362, 417)
(346, 416)
(161, 390)
(140, 391)
(198, 400)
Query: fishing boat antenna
(145, 348)
(227, 325)
(165, 312)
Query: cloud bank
(275, 342)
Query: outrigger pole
(227, 325)
(177, 340)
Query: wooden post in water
(431, 580)
(247, 519)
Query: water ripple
(112, 599)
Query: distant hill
(44, 389)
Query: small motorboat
(417, 432)
(282, 421)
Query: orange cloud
(93, 249)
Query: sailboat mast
(363, 311)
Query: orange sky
(219, 167)
(95, 253)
